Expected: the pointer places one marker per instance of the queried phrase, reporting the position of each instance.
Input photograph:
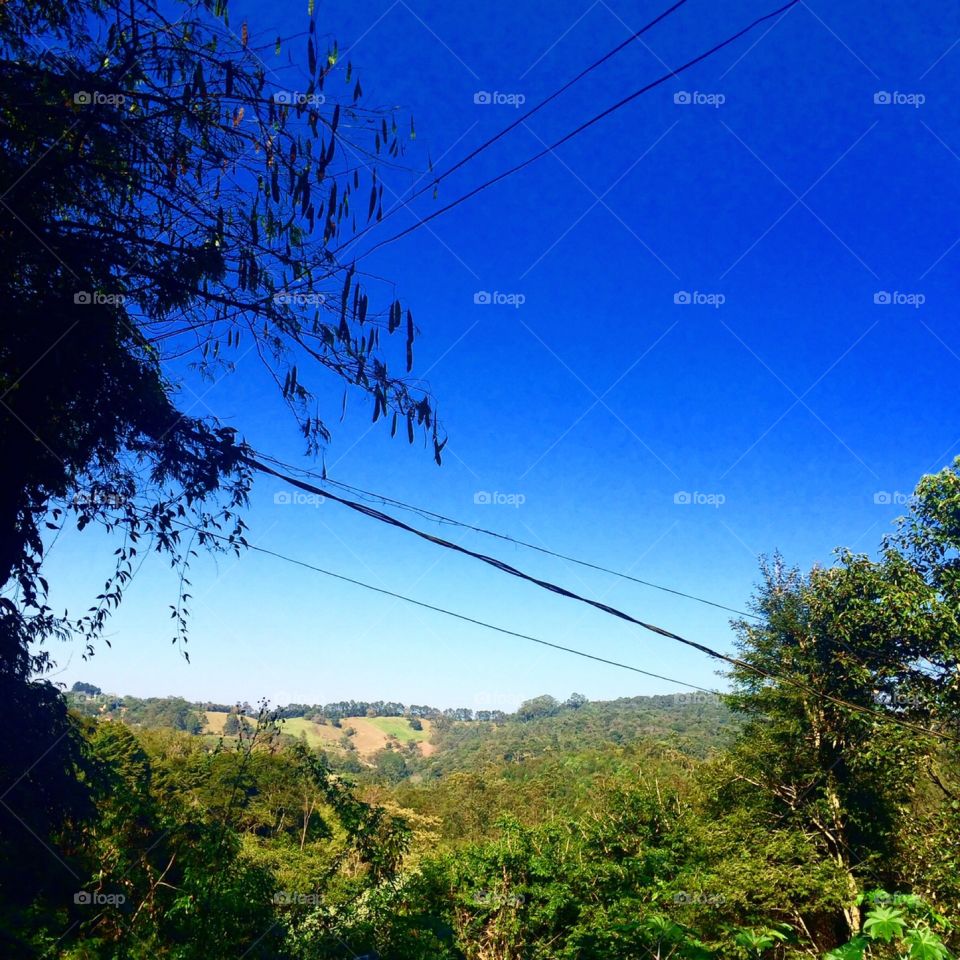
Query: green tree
(235, 723)
(167, 203)
(897, 925)
(843, 644)
(542, 706)
(390, 765)
(171, 203)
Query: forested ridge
(769, 822)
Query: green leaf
(924, 944)
(853, 950)
(885, 923)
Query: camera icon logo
(83, 297)
(882, 97)
(282, 497)
(881, 297)
(882, 497)
(682, 96)
(83, 97)
(482, 497)
(82, 897)
(682, 496)
(681, 297)
(482, 296)
(283, 96)
(482, 96)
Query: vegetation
(166, 208)
(814, 810)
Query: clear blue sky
(796, 400)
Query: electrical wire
(603, 607)
(579, 129)
(435, 181)
(458, 616)
(451, 521)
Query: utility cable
(583, 126)
(599, 605)
(435, 181)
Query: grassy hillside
(215, 721)
(366, 735)
(317, 735)
(400, 728)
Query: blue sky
(782, 200)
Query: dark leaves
(396, 316)
(410, 331)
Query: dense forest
(814, 810)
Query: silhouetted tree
(169, 200)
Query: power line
(441, 518)
(458, 616)
(449, 613)
(435, 181)
(583, 126)
(597, 604)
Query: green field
(317, 736)
(370, 733)
(400, 728)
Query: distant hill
(433, 746)
(693, 724)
